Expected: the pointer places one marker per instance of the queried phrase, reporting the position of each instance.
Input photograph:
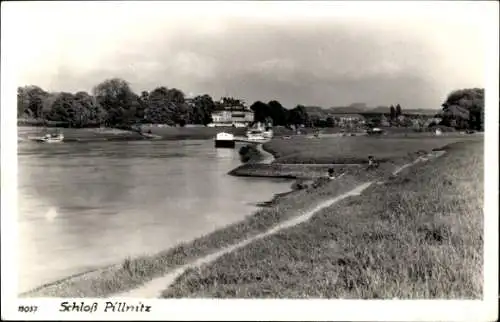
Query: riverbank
(81, 135)
(191, 133)
(300, 157)
(135, 272)
(355, 150)
(418, 235)
(119, 134)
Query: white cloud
(192, 64)
(209, 46)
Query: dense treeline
(464, 109)
(112, 103)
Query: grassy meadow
(419, 235)
(303, 157)
(348, 150)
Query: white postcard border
(252, 309)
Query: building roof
(233, 110)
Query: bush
(249, 153)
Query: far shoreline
(160, 133)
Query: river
(88, 204)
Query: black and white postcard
(250, 160)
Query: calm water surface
(84, 205)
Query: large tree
(90, 112)
(177, 103)
(30, 101)
(201, 109)
(464, 108)
(398, 110)
(392, 112)
(298, 116)
(279, 114)
(159, 110)
(330, 122)
(118, 100)
(62, 108)
(261, 111)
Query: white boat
(374, 130)
(255, 135)
(224, 140)
(239, 125)
(259, 133)
(268, 134)
(49, 138)
(150, 136)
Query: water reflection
(227, 154)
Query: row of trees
(114, 104)
(273, 112)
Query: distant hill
(316, 111)
(420, 111)
(380, 109)
(346, 110)
(359, 109)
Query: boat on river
(255, 135)
(149, 135)
(259, 133)
(49, 138)
(224, 140)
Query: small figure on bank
(372, 163)
(331, 173)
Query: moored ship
(224, 140)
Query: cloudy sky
(327, 53)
